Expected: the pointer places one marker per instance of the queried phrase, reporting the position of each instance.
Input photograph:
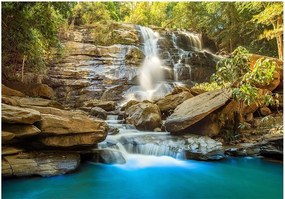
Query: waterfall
(179, 67)
(151, 70)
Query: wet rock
(99, 113)
(204, 148)
(106, 105)
(273, 148)
(170, 102)
(134, 56)
(244, 149)
(195, 109)
(144, 115)
(11, 92)
(39, 163)
(114, 93)
(21, 130)
(13, 114)
(108, 157)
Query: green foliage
(208, 86)
(245, 81)
(245, 93)
(262, 73)
(30, 30)
(232, 69)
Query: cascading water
(151, 75)
(151, 70)
(139, 149)
(195, 43)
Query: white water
(140, 149)
(196, 43)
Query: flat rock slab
(21, 130)
(195, 109)
(7, 136)
(7, 150)
(170, 102)
(14, 114)
(39, 163)
(76, 140)
(67, 124)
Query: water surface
(158, 178)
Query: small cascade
(195, 40)
(180, 68)
(130, 144)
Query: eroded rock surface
(195, 109)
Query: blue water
(239, 178)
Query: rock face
(144, 115)
(60, 125)
(38, 163)
(170, 102)
(13, 114)
(11, 92)
(30, 124)
(21, 130)
(195, 109)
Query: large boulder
(99, 113)
(13, 114)
(195, 109)
(39, 163)
(171, 101)
(144, 115)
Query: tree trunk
(23, 67)
(279, 39)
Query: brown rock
(195, 109)
(37, 163)
(11, 92)
(21, 130)
(208, 126)
(59, 125)
(99, 113)
(170, 102)
(114, 94)
(14, 114)
(76, 140)
(42, 90)
(7, 150)
(197, 91)
(7, 136)
(144, 115)
(265, 111)
(106, 105)
(10, 101)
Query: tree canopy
(30, 29)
